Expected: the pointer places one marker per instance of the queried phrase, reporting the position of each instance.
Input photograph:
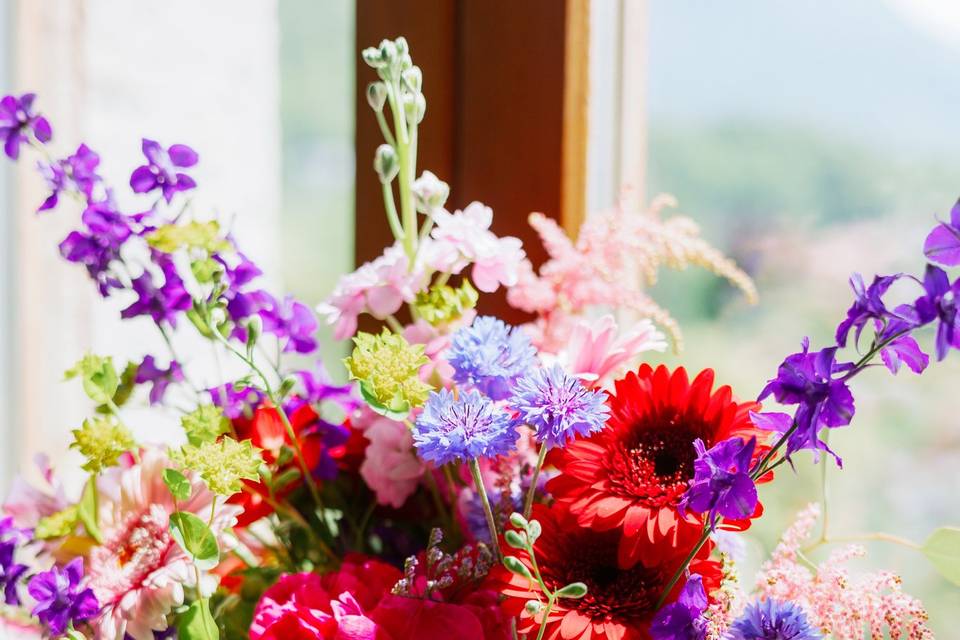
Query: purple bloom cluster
(682, 619)
(76, 173)
(162, 302)
(557, 405)
(159, 378)
(236, 402)
(160, 172)
(11, 571)
(61, 601)
(722, 483)
(817, 383)
(467, 427)
(18, 122)
(772, 620)
(490, 355)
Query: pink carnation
(464, 237)
(379, 288)
(390, 466)
(139, 572)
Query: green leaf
(127, 384)
(194, 537)
(73, 634)
(399, 411)
(942, 549)
(180, 488)
(98, 376)
(572, 590)
(197, 623)
(87, 510)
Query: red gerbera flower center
(653, 461)
(625, 595)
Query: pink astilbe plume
(615, 258)
(841, 604)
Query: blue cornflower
(722, 483)
(462, 428)
(772, 620)
(682, 620)
(558, 406)
(490, 355)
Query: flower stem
(546, 613)
(487, 511)
(531, 492)
(391, 208)
(708, 528)
(271, 394)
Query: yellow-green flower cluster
(206, 423)
(442, 304)
(98, 376)
(388, 370)
(57, 525)
(221, 464)
(191, 235)
(101, 441)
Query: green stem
(385, 130)
(394, 324)
(271, 394)
(532, 491)
(823, 491)
(683, 566)
(391, 208)
(546, 612)
(487, 511)
(407, 210)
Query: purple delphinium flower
(902, 349)
(772, 619)
(943, 244)
(489, 356)
(557, 405)
(160, 378)
(235, 402)
(867, 305)
(318, 388)
(162, 303)
(462, 428)
(11, 571)
(293, 323)
(721, 482)
(98, 244)
(76, 173)
(60, 600)
(809, 380)
(939, 303)
(160, 172)
(682, 619)
(18, 121)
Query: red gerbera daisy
(632, 475)
(620, 603)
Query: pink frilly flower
(27, 504)
(307, 606)
(390, 465)
(139, 572)
(596, 354)
(464, 237)
(379, 288)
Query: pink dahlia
(139, 572)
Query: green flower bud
(376, 95)
(386, 163)
(413, 77)
(415, 107)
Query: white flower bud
(430, 192)
(415, 107)
(413, 78)
(386, 163)
(376, 95)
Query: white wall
(108, 73)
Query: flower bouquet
(472, 479)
